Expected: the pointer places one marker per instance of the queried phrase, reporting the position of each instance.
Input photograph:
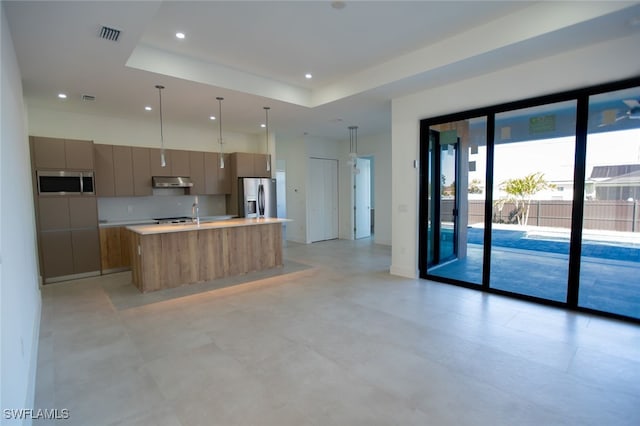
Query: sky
(555, 157)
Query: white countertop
(131, 222)
(111, 223)
(182, 227)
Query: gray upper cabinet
(123, 171)
(242, 164)
(61, 154)
(180, 163)
(115, 171)
(141, 171)
(260, 165)
(248, 164)
(217, 180)
(196, 165)
(78, 154)
(104, 173)
(48, 153)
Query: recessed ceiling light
(148, 108)
(62, 96)
(211, 117)
(263, 125)
(308, 76)
(180, 35)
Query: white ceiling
(255, 54)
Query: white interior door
(363, 198)
(323, 199)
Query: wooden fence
(598, 215)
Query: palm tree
(520, 191)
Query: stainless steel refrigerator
(257, 197)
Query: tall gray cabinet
(67, 225)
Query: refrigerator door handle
(260, 200)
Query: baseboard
(115, 270)
(403, 272)
(71, 277)
(33, 364)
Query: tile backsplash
(165, 203)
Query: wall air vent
(109, 33)
(88, 98)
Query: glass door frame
(436, 198)
(575, 249)
(429, 210)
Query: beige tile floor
(339, 343)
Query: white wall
(601, 63)
(121, 131)
(20, 299)
(293, 153)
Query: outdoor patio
(535, 263)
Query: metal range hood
(171, 182)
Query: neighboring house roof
(629, 179)
(599, 172)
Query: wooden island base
(170, 259)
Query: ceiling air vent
(109, 34)
(88, 98)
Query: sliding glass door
(457, 165)
(532, 200)
(610, 252)
(538, 199)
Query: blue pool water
(519, 240)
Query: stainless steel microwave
(65, 183)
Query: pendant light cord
(220, 99)
(162, 155)
(266, 112)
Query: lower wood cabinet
(114, 248)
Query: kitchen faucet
(195, 212)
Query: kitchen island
(171, 255)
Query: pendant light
(220, 99)
(163, 161)
(266, 112)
